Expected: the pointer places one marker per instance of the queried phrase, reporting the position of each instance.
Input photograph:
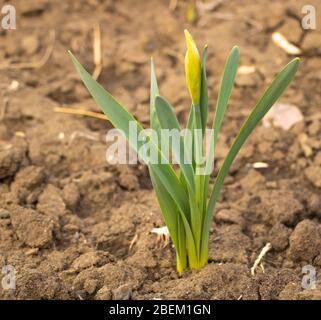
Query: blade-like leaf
(172, 219)
(189, 138)
(225, 89)
(181, 249)
(168, 207)
(154, 124)
(168, 120)
(270, 96)
(221, 105)
(120, 118)
(204, 91)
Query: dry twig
(81, 112)
(97, 52)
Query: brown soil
(67, 218)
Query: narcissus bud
(192, 69)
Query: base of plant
(181, 263)
(197, 265)
(191, 262)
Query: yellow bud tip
(187, 35)
(192, 68)
(190, 43)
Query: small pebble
(4, 214)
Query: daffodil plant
(185, 197)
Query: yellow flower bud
(192, 69)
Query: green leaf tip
(74, 60)
(71, 54)
(236, 48)
(296, 60)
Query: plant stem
(199, 155)
(199, 181)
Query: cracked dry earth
(67, 218)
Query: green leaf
(204, 91)
(224, 94)
(168, 120)
(196, 223)
(199, 151)
(168, 207)
(191, 244)
(225, 89)
(172, 219)
(189, 141)
(181, 255)
(270, 96)
(120, 118)
(154, 123)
